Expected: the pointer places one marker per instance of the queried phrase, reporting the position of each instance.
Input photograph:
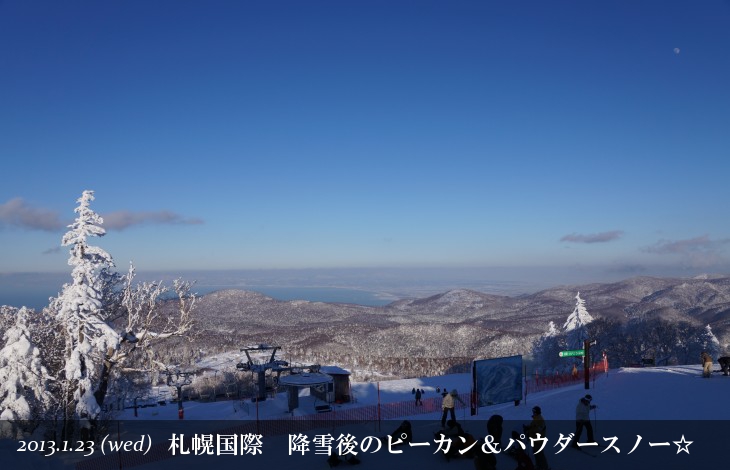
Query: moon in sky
(676, 50)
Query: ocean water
(31, 290)
(35, 295)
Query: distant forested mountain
(443, 332)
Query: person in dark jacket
(519, 454)
(403, 433)
(537, 429)
(451, 431)
(418, 397)
(494, 429)
(725, 364)
(583, 419)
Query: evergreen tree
(7, 319)
(575, 325)
(81, 311)
(710, 342)
(93, 348)
(552, 329)
(546, 349)
(24, 395)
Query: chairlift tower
(261, 369)
(273, 364)
(179, 380)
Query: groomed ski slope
(651, 393)
(671, 394)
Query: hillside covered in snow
(443, 333)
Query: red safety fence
(539, 382)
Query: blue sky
(359, 134)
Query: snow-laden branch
(146, 322)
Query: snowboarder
(537, 430)
(519, 454)
(463, 443)
(484, 461)
(403, 434)
(418, 397)
(334, 460)
(583, 419)
(706, 364)
(725, 364)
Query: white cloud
(602, 237)
(121, 220)
(17, 213)
(698, 251)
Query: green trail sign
(573, 353)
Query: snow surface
(651, 393)
(657, 393)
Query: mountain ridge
(459, 323)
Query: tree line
(60, 364)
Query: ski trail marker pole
(595, 423)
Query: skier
(725, 364)
(583, 419)
(706, 364)
(418, 397)
(537, 430)
(447, 405)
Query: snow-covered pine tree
(575, 326)
(546, 349)
(7, 319)
(552, 329)
(710, 343)
(24, 395)
(80, 309)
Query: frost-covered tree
(144, 325)
(575, 325)
(80, 308)
(709, 342)
(24, 394)
(609, 335)
(105, 317)
(7, 319)
(546, 349)
(552, 329)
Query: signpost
(586, 362)
(573, 353)
(585, 353)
